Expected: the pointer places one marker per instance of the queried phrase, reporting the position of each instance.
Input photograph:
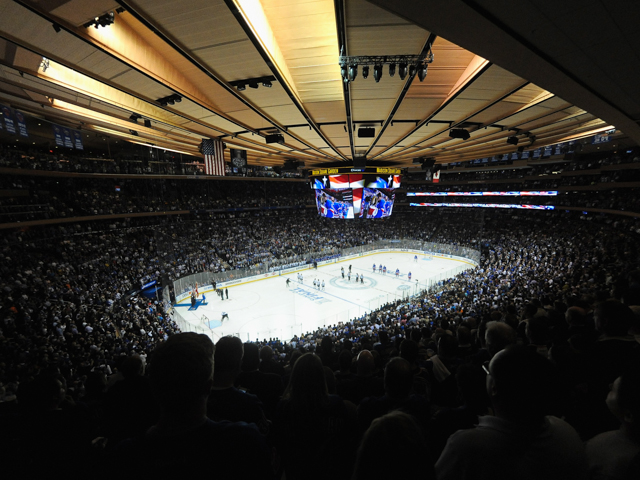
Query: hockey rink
(267, 308)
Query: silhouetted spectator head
(472, 385)
(384, 446)
(228, 360)
(345, 360)
(181, 370)
(410, 351)
(251, 358)
(575, 316)
(294, 358)
(266, 353)
(613, 319)
(365, 364)
(447, 346)
(132, 367)
(464, 335)
(537, 330)
(624, 400)
(519, 384)
(383, 336)
(398, 378)
(330, 378)
(45, 393)
(529, 310)
(307, 389)
(326, 345)
(499, 336)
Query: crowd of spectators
(47, 198)
(546, 315)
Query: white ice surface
(267, 308)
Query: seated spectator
(398, 387)
(314, 431)
(185, 442)
(268, 363)
(614, 350)
(537, 332)
(383, 452)
(471, 382)
(498, 337)
(130, 408)
(611, 454)
(226, 402)
(266, 386)
(520, 441)
(441, 370)
(465, 348)
(363, 384)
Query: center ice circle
(352, 285)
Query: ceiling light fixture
(402, 71)
(169, 100)
(377, 72)
(459, 133)
(353, 72)
(101, 21)
(422, 72)
(407, 65)
(241, 85)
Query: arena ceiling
(553, 71)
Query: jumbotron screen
(348, 192)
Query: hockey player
(409, 275)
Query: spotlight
(56, 27)
(377, 72)
(253, 84)
(402, 70)
(392, 69)
(134, 117)
(266, 83)
(170, 101)
(274, 138)
(353, 72)
(177, 98)
(412, 71)
(343, 72)
(512, 140)
(241, 87)
(422, 72)
(459, 133)
(365, 71)
(147, 123)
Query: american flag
(213, 152)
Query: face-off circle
(353, 285)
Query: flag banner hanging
(238, 158)
(213, 152)
(436, 177)
(22, 124)
(77, 140)
(57, 134)
(8, 119)
(66, 134)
